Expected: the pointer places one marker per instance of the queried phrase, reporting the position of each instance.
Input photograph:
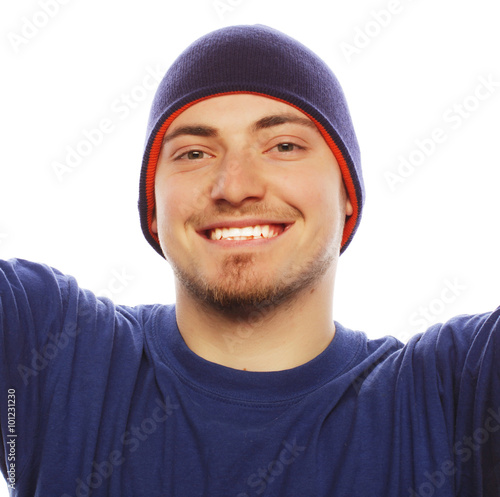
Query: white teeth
(246, 233)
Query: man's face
(250, 204)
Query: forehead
(242, 108)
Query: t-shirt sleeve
(62, 357)
(38, 320)
(463, 357)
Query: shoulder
(465, 340)
(447, 355)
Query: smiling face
(250, 204)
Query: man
(251, 188)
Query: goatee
(239, 291)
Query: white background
(438, 228)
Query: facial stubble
(240, 290)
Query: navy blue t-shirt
(105, 400)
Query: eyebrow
(196, 130)
(263, 123)
(278, 119)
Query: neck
(262, 339)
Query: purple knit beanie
(263, 61)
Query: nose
(238, 179)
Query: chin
(240, 290)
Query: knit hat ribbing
(261, 60)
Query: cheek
(163, 204)
(317, 194)
(181, 195)
(178, 198)
(171, 199)
(170, 209)
(314, 193)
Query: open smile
(238, 231)
(246, 233)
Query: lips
(244, 230)
(255, 232)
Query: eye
(287, 147)
(193, 155)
